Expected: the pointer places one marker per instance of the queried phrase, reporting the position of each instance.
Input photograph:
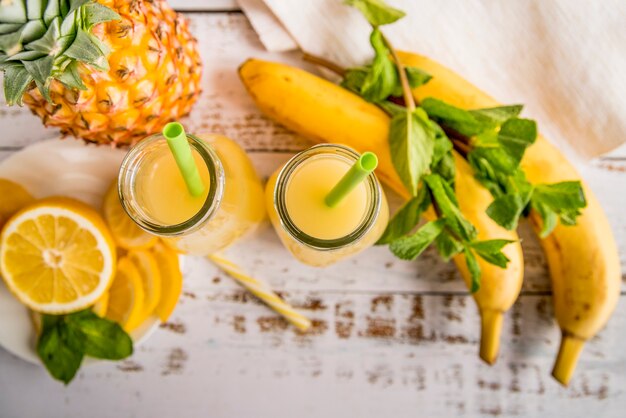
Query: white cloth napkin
(564, 59)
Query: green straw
(176, 138)
(362, 168)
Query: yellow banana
(583, 259)
(324, 112)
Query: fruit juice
(154, 194)
(314, 233)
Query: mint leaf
(407, 217)
(410, 247)
(447, 204)
(448, 246)
(491, 251)
(474, 269)
(460, 120)
(377, 12)
(549, 218)
(563, 195)
(354, 77)
(516, 135)
(417, 77)
(495, 116)
(411, 142)
(391, 108)
(382, 78)
(60, 348)
(104, 338)
(505, 210)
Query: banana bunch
(583, 259)
(324, 112)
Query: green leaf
(491, 251)
(353, 79)
(474, 269)
(505, 210)
(13, 12)
(549, 218)
(16, 81)
(71, 77)
(34, 29)
(407, 217)
(496, 116)
(11, 43)
(417, 77)
(391, 108)
(461, 121)
(34, 8)
(60, 348)
(563, 195)
(448, 207)
(53, 9)
(377, 12)
(412, 143)
(76, 4)
(9, 28)
(104, 339)
(88, 49)
(40, 70)
(498, 259)
(382, 78)
(94, 13)
(516, 135)
(410, 247)
(51, 43)
(443, 145)
(447, 245)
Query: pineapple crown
(41, 40)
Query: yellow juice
(314, 233)
(309, 185)
(230, 207)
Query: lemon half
(57, 256)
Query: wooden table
(390, 338)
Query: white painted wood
(390, 337)
(204, 5)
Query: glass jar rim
(126, 180)
(369, 218)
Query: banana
(324, 112)
(583, 259)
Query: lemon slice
(125, 232)
(100, 307)
(126, 296)
(148, 268)
(171, 280)
(13, 197)
(57, 256)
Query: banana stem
(566, 360)
(490, 330)
(323, 62)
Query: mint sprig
(66, 339)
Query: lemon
(57, 256)
(126, 296)
(100, 307)
(13, 197)
(171, 280)
(148, 268)
(126, 233)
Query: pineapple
(110, 72)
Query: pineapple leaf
(49, 43)
(11, 43)
(34, 29)
(13, 12)
(94, 13)
(77, 4)
(40, 69)
(71, 77)
(26, 56)
(53, 9)
(34, 9)
(88, 49)
(16, 81)
(9, 28)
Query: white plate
(56, 168)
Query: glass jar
(231, 207)
(365, 219)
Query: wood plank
(368, 354)
(205, 5)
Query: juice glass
(153, 193)
(314, 233)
